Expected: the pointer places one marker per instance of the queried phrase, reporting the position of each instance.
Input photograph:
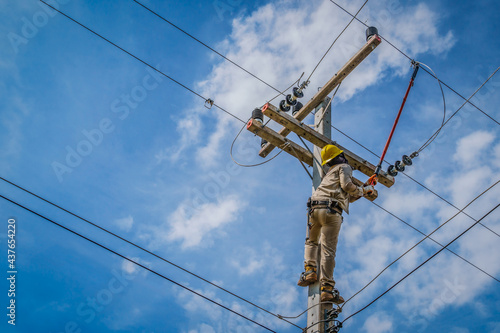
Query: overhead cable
(204, 44)
(141, 248)
(144, 62)
(423, 263)
(423, 239)
(409, 58)
(136, 263)
(345, 28)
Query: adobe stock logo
(30, 28)
(121, 107)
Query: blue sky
(94, 130)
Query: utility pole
(322, 124)
(319, 137)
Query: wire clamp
(209, 103)
(337, 325)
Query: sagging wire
(297, 155)
(133, 261)
(406, 160)
(433, 136)
(463, 104)
(423, 263)
(248, 165)
(428, 236)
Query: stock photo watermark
(450, 293)
(121, 108)
(88, 310)
(30, 27)
(11, 271)
(223, 6)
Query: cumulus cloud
(260, 43)
(194, 225)
(378, 323)
(470, 147)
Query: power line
(414, 180)
(143, 249)
(435, 254)
(453, 115)
(136, 263)
(142, 61)
(426, 236)
(408, 57)
(423, 239)
(204, 44)
(345, 28)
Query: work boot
(308, 277)
(330, 294)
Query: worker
(325, 207)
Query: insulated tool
(374, 178)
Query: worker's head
(329, 152)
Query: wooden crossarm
(372, 43)
(320, 140)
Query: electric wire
(408, 57)
(467, 101)
(297, 156)
(423, 263)
(434, 136)
(141, 248)
(345, 28)
(135, 262)
(453, 115)
(142, 61)
(265, 124)
(414, 180)
(248, 165)
(393, 262)
(204, 44)
(423, 239)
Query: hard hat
(329, 152)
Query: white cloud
(470, 147)
(496, 156)
(125, 223)
(203, 328)
(260, 43)
(378, 323)
(129, 267)
(195, 224)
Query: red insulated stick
(373, 179)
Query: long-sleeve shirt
(337, 185)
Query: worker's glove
(368, 190)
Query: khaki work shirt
(337, 185)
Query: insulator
(407, 160)
(392, 171)
(399, 166)
(284, 107)
(370, 31)
(263, 142)
(297, 108)
(258, 115)
(290, 100)
(297, 92)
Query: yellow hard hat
(329, 152)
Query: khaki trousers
(325, 228)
